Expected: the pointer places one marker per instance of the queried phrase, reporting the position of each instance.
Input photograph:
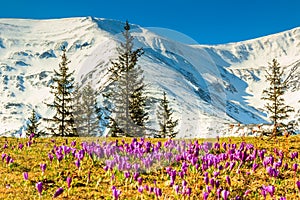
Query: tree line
(124, 110)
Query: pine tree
(86, 115)
(62, 123)
(126, 91)
(101, 114)
(165, 120)
(77, 109)
(276, 106)
(32, 127)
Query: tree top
(127, 26)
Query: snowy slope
(208, 86)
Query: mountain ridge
(209, 85)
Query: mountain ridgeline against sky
(207, 85)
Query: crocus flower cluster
(219, 164)
(185, 168)
(7, 158)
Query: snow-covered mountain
(208, 85)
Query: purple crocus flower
(224, 146)
(59, 155)
(254, 166)
(58, 192)
(188, 191)
(294, 155)
(261, 153)
(77, 163)
(205, 195)
(184, 183)
(157, 192)
(3, 156)
(242, 146)
(140, 189)
(247, 192)
(127, 174)
(69, 181)
(270, 189)
(226, 165)
(218, 192)
(204, 167)
(136, 175)
(106, 168)
(208, 188)
(21, 146)
(39, 187)
(268, 161)
(9, 160)
(184, 166)
(272, 172)
(263, 192)
(277, 164)
(298, 184)
(220, 167)
(176, 188)
(66, 149)
(29, 143)
(112, 177)
(80, 154)
(295, 167)
(43, 167)
(140, 180)
(228, 180)
(225, 194)
(212, 182)
(216, 174)
(168, 169)
(216, 146)
(73, 143)
(116, 193)
(232, 164)
(217, 183)
(50, 156)
(31, 136)
(181, 174)
(25, 175)
(206, 180)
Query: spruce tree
(62, 123)
(275, 105)
(165, 120)
(32, 127)
(87, 112)
(126, 92)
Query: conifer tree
(165, 120)
(275, 105)
(126, 91)
(77, 109)
(32, 127)
(62, 123)
(87, 112)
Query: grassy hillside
(126, 168)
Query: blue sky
(207, 22)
